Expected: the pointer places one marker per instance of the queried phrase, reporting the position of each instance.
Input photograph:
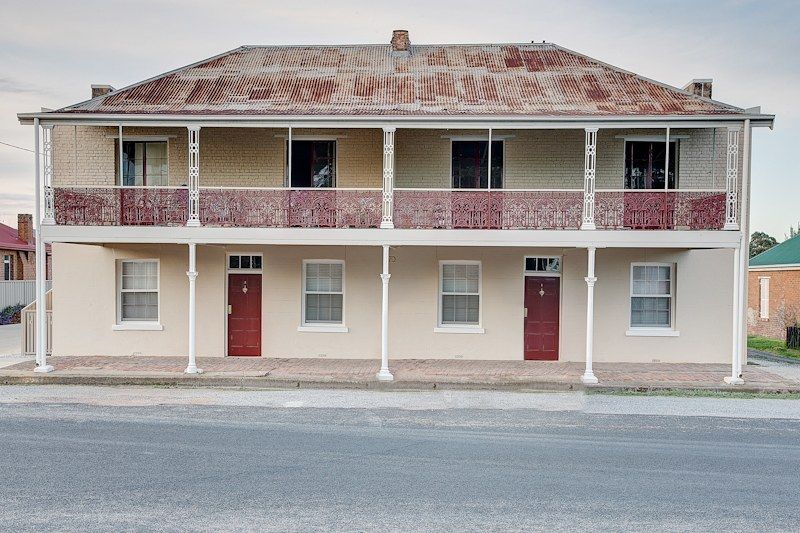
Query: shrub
(11, 314)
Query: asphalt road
(391, 461)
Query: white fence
(18, 292)
(29, 326)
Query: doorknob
(526, 312)
(230, 309)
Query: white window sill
(324, 329)
(460, 329)
(652, 332)
(138, 326)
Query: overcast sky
(51, 51)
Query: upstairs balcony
(316, 182)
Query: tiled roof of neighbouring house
(785, 253)
(9, 240)
(536, 80)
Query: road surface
(80, 458)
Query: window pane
(644, 164)
(650, 312)
(256, 261)
(233, 261)
(245, 261)
(140, 306)
(460, 309)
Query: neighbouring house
(773, 298)
(492, 201)
(18, 251)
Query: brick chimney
(400, 41)
(699, 87)
(25, 227)
(100, 90)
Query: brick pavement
(425, 373)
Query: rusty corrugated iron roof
(432, 80)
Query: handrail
(321, 189)
(425, 189)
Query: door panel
(244, 314)
(542, 295)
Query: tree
(761, 242)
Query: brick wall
(24, 264)
(784, 302)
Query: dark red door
(244, 314)
(541, 320)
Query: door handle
(526, 312)
(230, 309)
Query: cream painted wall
(84, 303)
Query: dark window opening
(313, 164)
(644, 164)
(143, 163)
(470, 168)
(8, 268)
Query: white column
(384, 374)
(489, 166)
(388, 178)
(191, 368)
(194, 176)
(734, 378)
(119, 154)
(41, 265)
(731, 180)
(666, 165)
(588, 375)
(744, 217)
(288, 180)
(47, 154)
(589, 166)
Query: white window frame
(653, 331)
(501, 139)
(323, 327)
(243, 270)
(763, 297)
(141, 139)
(8, 260)
(459, 328)
(137, 325)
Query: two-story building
(492, 201)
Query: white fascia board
(464, 122)
(394, 237)
(771, 268)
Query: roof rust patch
(432, 80)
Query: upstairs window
(644, 164)
(470, 164)
(313, 164)
(143, 163)
(8, 268)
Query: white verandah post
(194, 176)
(387, 219)
(384, 374)
(47, 154)
(589, 172)
(588, 375)
(731, 180)
(41, 264)
(191, 368)
(734, 378)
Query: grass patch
(700, 393)
(771, 346)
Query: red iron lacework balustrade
(281, 208)
(481, 209)
(666, 210)
(121, 206)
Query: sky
(52, 51)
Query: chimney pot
(25, 227)
(100, 90)
(400, 41)
(699, 87)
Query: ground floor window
(323, 292)
(459, 293)
(8, 268)
(651, 295)
(763, 298)
(138, 291)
